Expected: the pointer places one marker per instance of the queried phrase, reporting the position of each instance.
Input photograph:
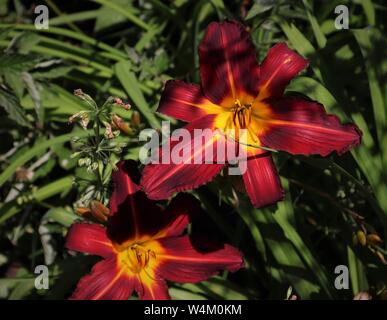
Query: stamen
(137, 257)
(241, 114)
(241, 118)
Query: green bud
(94, 166)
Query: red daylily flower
(143, 246)
(238, 93)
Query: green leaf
(108, 17)
(369, 11)
(52, 73)
(319, 35)
(9, 209)
(297, 39)
(217, 288)
(356, 273)
(63, 216)
(285, 219)
(35, 95)
(366, 39)
(37, 149)
(287, 261)
(16, 62)
(15, 83)
(12, 106)
(127, 13)
(131, 85)
(184, 294)
(258, 8)
(74, 17)
(22, 289)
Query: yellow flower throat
(136, 257)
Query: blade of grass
(364, 40)
(58, 12)
(319, 35)
(8, 210)
(285, 219)
(74, 17)
(285, 256)
(28, 155)
(369, 11)
(357, 273)
(67, 33)
(130, 83)
(131, 17)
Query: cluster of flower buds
(371, 240)
(119, 102)
(96, 211)
(360, 237)
(104, 115)
(99, 151)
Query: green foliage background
(128, 49)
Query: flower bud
(94, 166)
(108, 131)
(361, 237)
(83, 212)
(96, 211)
(99, 211)
(136, 119)
(81, 162)
(120, 124)
(85, 97)
(119, 101)
(374, 239)
(363, 295)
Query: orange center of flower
(136, 257)
(241, 114)
(245, 120)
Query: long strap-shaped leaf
(41, 147)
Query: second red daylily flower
(238, 93)
(143, 246)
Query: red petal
(124, 184)
(300, 126)
(151, 221)
(89, 238)
(137, 218)
(185, 261)
(177, 215)
(262, 181)
(105, 282)
(279, 67)
(185, 101)
(160, 181)
(151, 288)
(134, 216)
(228, 64)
